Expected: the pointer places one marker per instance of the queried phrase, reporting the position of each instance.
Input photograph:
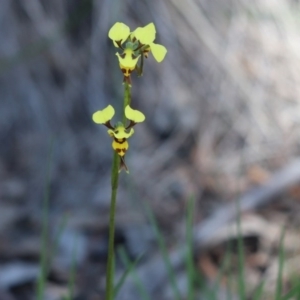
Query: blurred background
(222, 117)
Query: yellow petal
(119, 32)
(102, 116)
(159, 51)
(145, 35)
(134, 115)
(128, 61)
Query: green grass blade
(241, 257)
(291, 294)
(201, 284)
(229, 288)
(125, 260)
(278, 291)
(40, 289)
(294, 292)
(131, 267)
(57, 237)
(257, 294)
(164, 252)
(72, 275)
(193, 275)
(297, 289)
(212, 293)
(189, 251)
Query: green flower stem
(110, 258)
(127, 99)
(114, 188)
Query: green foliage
(190, 264)
(164, 252)
(241, 258)
(278, 291)
(195, 282)
(130, 267)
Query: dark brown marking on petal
(120, 141)
(108, 125)
(139, 46)
(123, 55)
(126, 72)
(131, 124)
(119, 44)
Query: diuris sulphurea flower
(135, 44)
(120, 133)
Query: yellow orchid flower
(120, 144)
(134, 44)
(146, 36)
(119, 132)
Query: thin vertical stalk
(278, 291)
(44, 240)
(241, 257)
(127, 99)
(189, 251)
(114, 188)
